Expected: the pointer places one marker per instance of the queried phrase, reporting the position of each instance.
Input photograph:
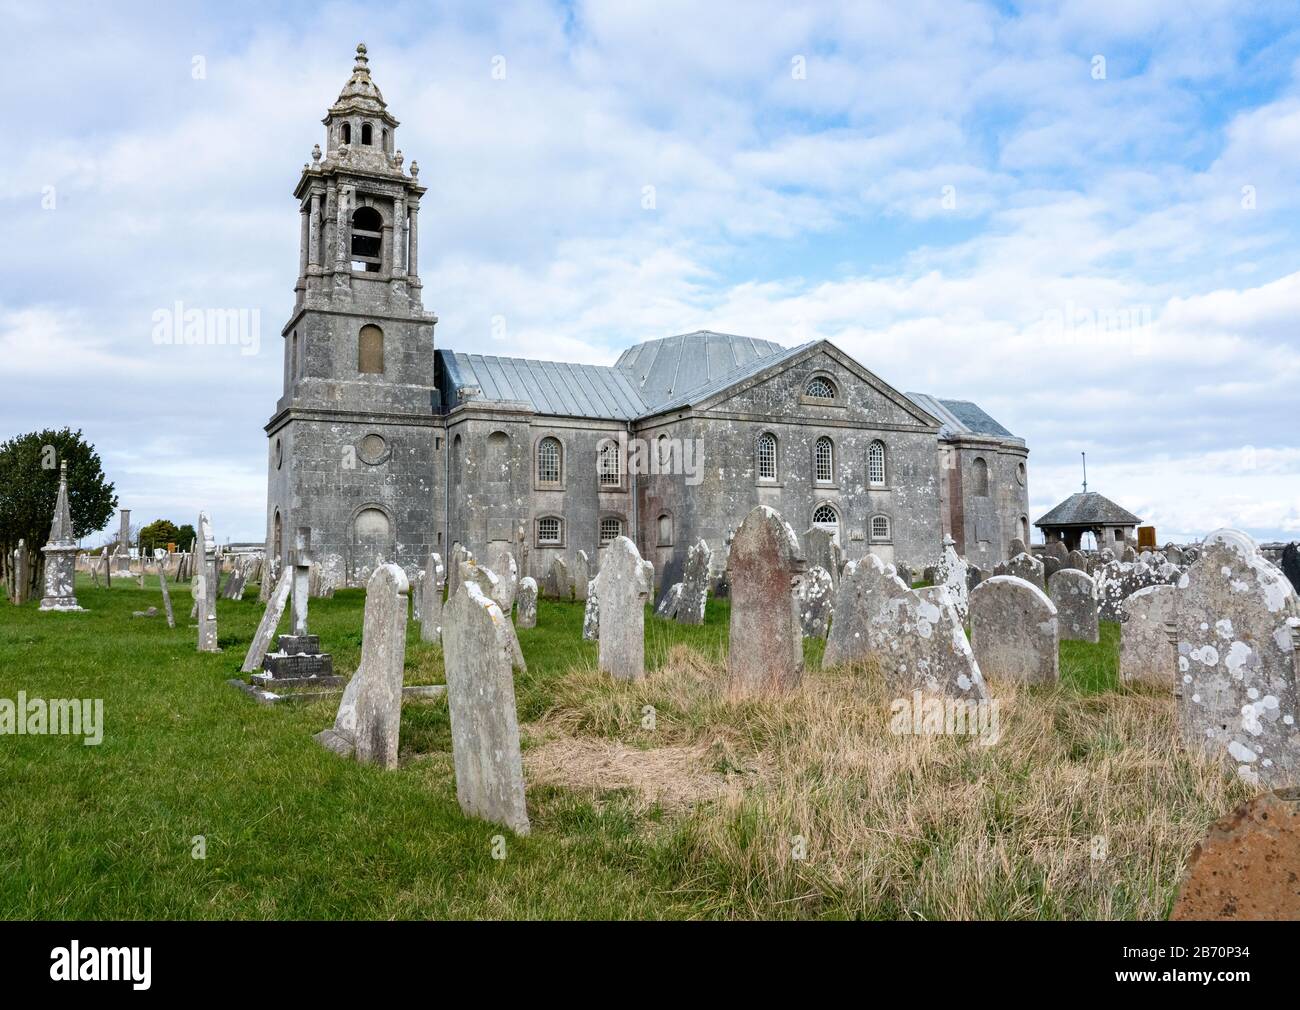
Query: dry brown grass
(894, 826)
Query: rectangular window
(609, 529)
(548, 530)
(607, 465)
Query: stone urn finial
(315, 153)
(415, 170)
(398, 158)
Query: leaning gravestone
(1235, 625)
(270, 621)
(1291, 564)
(591, 613)
(166, 594)
(766, 650)
(1248, 865)
(816, 598)
(951, 571)
(481, 702)
(623, 588)
(581, 575)
(526, 598)
(486, 580)
(1014, 631)
(561, 586)
(298, 662)
(1028, 568)
(205, 583)
(431, 604)
(914, 636)
(822, 551)
(671, 602)
(695, 584)
(459, 556)
(60, 556)
(507, 573)
(1073, 594)
(370, 714)
(1144, 652)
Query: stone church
(389, 447)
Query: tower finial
(1085, 471)
(361, 56)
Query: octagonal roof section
(664, 369)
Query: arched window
(608, 464)
(824, 459)
(610, 527)
(293, 357)
(664, 453)
(347, 133)
(277, 541)
(820, 388)
(549, 461)
(767, 456)
(665, 530)
(1024, 530)
(370, 350)
(550, 531)
(876, 463)
(366, 134)
(367, 238)
(879, 527)
(1020, 474)
(825, 517)
(979, 477)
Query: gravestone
(1077, 560)
(974, 576)
(526, 601)
(1235, 625)
(431, 604)
(417, 596)
(21, 573)
(816, 599)
(1130, 555)
(905, 573)
(1028, 568)
(60, 555)
(1073, 594)
(561, 586)
(205, 585)
(1017, 546)
(581, 575)
(298, 662)
(1015, 632)
(270, 621)
(1144, 652)
(122, 553)
(1117, 581)
(913, 636)
(671, 602)
(459, 556)
(1248, 865)
(821, 551)
(623, 588)
(481, 702)
(487, 581)
(591, 613)
(951, 571)
(695, 584)
(1051, 565)
(166, 595)
(369, 719)
(1291, 564)
(507, 573)
(1055, 549)
(766, 643)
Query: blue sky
(950, 192)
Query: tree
(157, 535)
(29, 488)
(184, 537)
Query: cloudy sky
(1083, 216)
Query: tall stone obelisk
(61, 554)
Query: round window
(373, 449)
(279, 454)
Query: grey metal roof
(667, 368)
(1088, 508)
(698, 394)
(550, 387)
(959, 417)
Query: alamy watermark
(82, 717)
(1129, 327)
(179, 326)
(920, 715)
(650, 457)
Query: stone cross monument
(60, 554)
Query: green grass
(291, 830)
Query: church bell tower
(353, 441)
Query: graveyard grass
(1085, 808)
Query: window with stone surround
(879, 527)
(608, 465)
(824, 461)
(367, 239)
(979, 477)
(665, 530)
(550, 531)
(767, 456)
(610, 528)
(820, 388)
(550, 460)
(876, 463)
(370, 350)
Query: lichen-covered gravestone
(486, 580)
(669, 605)
(766, 643)
(205, 585)
(1073, 594)
(1028, 568)
(1236, 622)
(1144, 652)
(1014, 631)
(821, 551)
(816, 596)
(459, 556)
(695, 584)
(270, 621)
(591, 612)
(951, 571)
(481, 702)
(60, 555)
(561, 586)
(431, 604)
(370, 713)
(914, 636)
(526, 603)
(507, 573)
(623, 589)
